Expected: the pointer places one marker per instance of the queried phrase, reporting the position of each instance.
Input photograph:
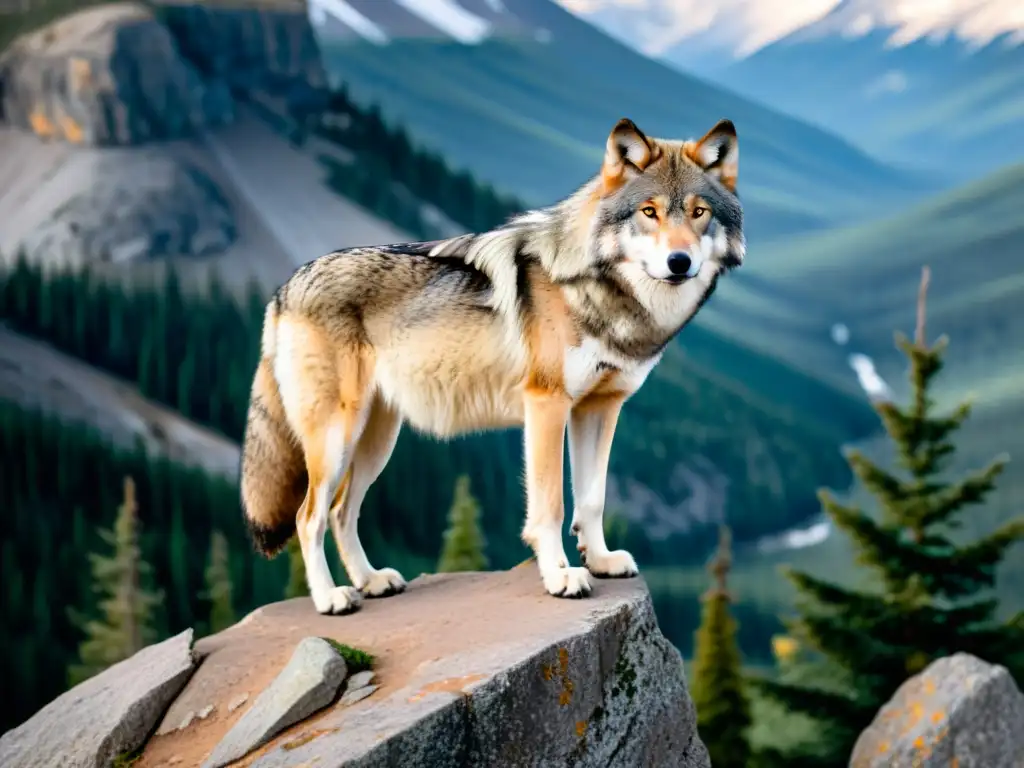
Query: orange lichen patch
(913, 717)
(72, 130)
(566, 695)
(955, 762)
(456, 685)
(581, 728)
(306, 738)
(41, 124)
(938, 716)
(883, 747)
(929, 686)
(548, 671)
(919, 742)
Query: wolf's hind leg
(544, 437)
(371, 455)
(323, 385)
(591, 428)
(327, 457)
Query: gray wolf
(549, 322)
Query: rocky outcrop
(108, 715)
(254, 45)
(959, 711)
(148, 205)
(119, 75)
(108, 75)
(470, 669)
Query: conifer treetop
(721, 564)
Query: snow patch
(449, 17)
(873, 384)
(349, 16)
(795, 538)
(840, 334)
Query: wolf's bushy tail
(273, 470)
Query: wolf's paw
(613, 565)
(567, 582)
(338, 601)
(383, 583)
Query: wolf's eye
(649, 211)
(698, 212)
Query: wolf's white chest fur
(585, 365)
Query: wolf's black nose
(679, 262)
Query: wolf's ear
(718, 153)
(626, 153)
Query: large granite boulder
(107, 75)
(960, 711)
(106, 717)
(470, 669)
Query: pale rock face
(959, 711)
(108, 715)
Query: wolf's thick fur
(550, 322)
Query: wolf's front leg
(591, 428)
(544, 434)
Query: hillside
(198, 174)
(35, 375)
(944, 103)
(972, 238)
(531, 112)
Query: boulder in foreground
(473, 669)
(959, 711)
(108, 715)
(308, 683)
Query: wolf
(549, 322)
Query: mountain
(527, 100)
(938, 86)
(937, 100)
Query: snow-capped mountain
(937, 84)
(706, 36)
(464, 21)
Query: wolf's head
(670, 206)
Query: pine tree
(723, 710)
(126, 605)
(463, 541)
(297, 584)
(218, 584)
(933, 596)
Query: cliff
(475, 669)
(136, 131)
(129, 73)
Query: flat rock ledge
(108, 715)
(960, 711)
(470, 670)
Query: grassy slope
(866, 277)
(533, 118)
